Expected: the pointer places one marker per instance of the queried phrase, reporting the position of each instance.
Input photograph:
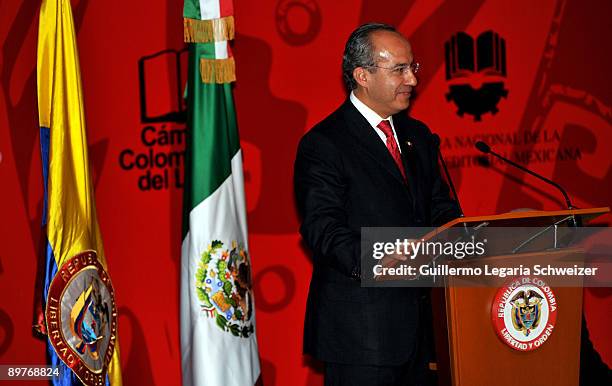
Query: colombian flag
(80, 313)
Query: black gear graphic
(477, 102)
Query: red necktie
(385, 126)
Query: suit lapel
(365, 135)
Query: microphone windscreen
(483, 147)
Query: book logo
(161, 83)
(156, 161)
(475, 73)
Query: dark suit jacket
(346, 179)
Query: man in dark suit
(368, 165)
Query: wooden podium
(469, 351)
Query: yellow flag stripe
(72, 225)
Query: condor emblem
(82, 318)
(524, 313)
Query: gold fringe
(205, 31)
(218, 70)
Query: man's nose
(410, 79)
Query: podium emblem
(524, 313)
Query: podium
(470, 351)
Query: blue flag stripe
(44, 153)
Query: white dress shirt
(373, 119)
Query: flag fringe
(205, 31)
(218, 70)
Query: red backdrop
(554, 113)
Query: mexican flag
(218, 340)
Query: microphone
(436, 141)
(483, 147)
(486, 149)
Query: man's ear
(361, 76)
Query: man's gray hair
(358, 51)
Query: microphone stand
(436, 139)
(486, 149)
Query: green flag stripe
(213, 135)
(191, 9)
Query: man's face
(387, 90)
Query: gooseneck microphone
(486, 149)
(436, 141)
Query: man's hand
(395, 260)
(405, 265)
(392, 260)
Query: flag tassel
(218, 70)
(205, 31)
